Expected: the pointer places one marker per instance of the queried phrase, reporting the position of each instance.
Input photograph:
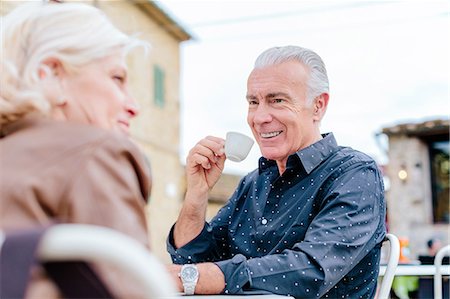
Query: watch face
(189, 274)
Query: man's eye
(251, 103)
(278, 100)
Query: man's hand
(210, 280)
(205, 164)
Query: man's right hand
(205, 164)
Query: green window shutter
(158, 75)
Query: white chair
(438, 276)
(388, 276)
(2, 239)
(75, 242)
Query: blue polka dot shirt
(313, 232)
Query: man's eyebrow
(277, 94)
(269, 96)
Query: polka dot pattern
(314, 232)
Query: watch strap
(189, 288)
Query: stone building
(155, 83)
(418, 171)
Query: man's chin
(271, 154)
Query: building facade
(418, 172)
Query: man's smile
(270, 134)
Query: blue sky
(388, 63)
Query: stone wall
(409, 200)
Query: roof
(166, 22)
(422, 129)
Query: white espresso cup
(237, 146)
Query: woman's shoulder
(68, 138)
(81, 135)
(103, 149)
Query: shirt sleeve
(349, 223)
(212, 242)
(200, 249)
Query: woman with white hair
(65, 111)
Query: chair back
(71, 243)
(394, 255)
(438, 276)
(65, 242)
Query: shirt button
(264, 221)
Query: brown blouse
(70, 173)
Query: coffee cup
(237, 146)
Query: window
(439, 158)
(158, 86)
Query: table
(416, 270)
(235, 297)
(250, 296)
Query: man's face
(281, 120)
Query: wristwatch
(189, 278)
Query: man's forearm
(191, 220)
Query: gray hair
(74, 33)
(318, 78)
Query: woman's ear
(52, 75)
(51, 67)
(320, 106)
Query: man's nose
(262, 114)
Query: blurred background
(389, 69)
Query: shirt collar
(310, 157)
(314, 154)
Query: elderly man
(308, 222)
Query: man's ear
(320, 106)
(51, 67)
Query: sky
(388, 63)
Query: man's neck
(282, 164)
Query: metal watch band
(189, 288)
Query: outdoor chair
(438, 276)
(72, 243)
(388, 276)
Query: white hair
(74, 33)
(318, 78)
